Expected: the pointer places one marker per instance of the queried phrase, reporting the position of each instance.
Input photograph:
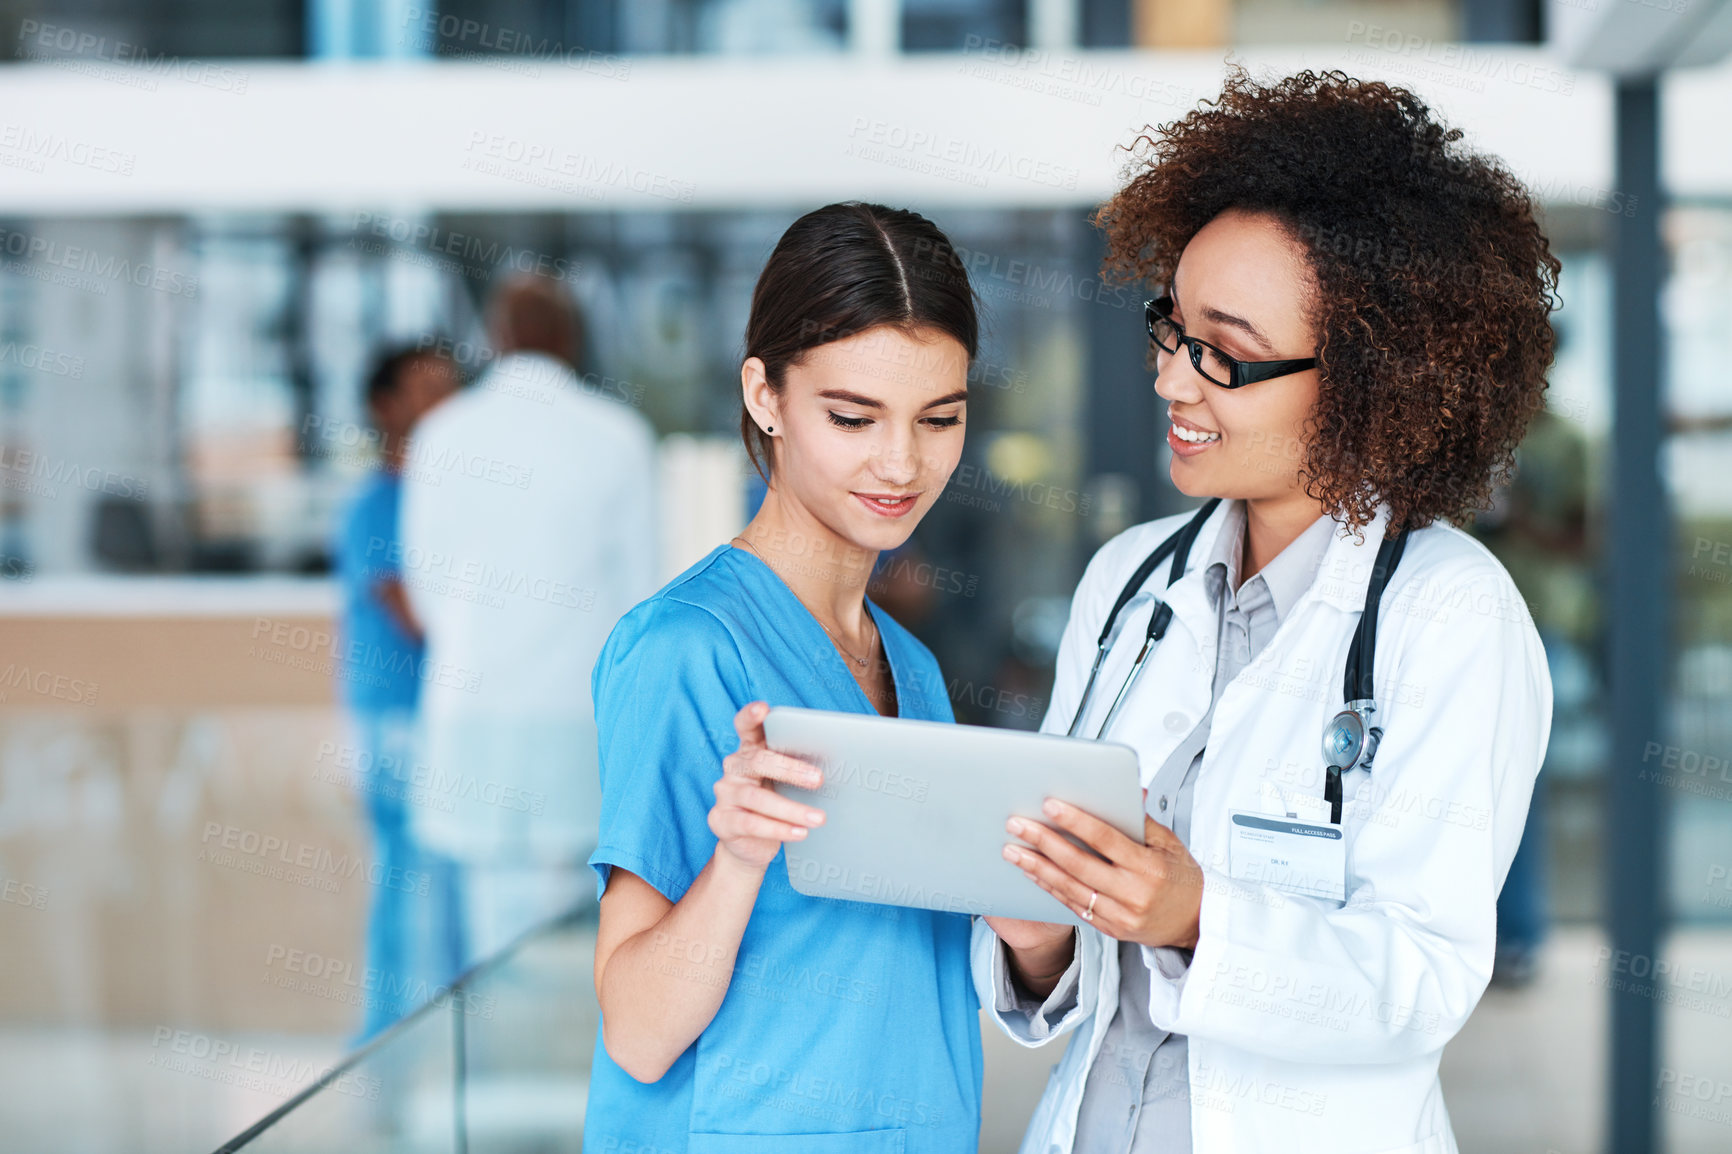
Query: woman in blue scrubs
(737, 1014)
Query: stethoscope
(1349, 740)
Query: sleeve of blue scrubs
(349, 545)
(667, 686)
(366, 548)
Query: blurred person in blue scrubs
(529, 528)
(738, 1014)
(411, 943)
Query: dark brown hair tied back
(846, 268)
(1434, 282)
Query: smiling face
(867, 430)
(1242, 285)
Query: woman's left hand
(1151, 894)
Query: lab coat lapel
(1346, 569)
(1188, 596)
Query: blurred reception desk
(180, 842)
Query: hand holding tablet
(916, 811)
(750, 821)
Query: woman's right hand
(751, 820)
(1021, 935)
(1040, 952)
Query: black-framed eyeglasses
(1208, 360)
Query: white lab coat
(1315, 1027)
(528, 529)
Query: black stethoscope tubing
(1349, 740)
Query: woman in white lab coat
(1350, 327)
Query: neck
(827, 572)
(1272, 524)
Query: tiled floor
(1524, 1077)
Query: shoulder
(685, 622)
(1444, 565)
(377, 490)
(604, 419)
(453, 413)
(548, 401)
(602, 399)
(1445, 551)
(1452, 601)
(374, 499)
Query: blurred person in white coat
(1338, 700)
(528, 529)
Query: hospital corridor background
(215, 218)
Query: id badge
(1291, 854)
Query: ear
(761, 400)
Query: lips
(889, 504)
(1192, 437)
(1191, 427)
(1187, 439)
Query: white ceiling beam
(601, 133)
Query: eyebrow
(1232, 321)
(1240, 323)
(868, 403)
(850, 398)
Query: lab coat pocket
(1300, 857)
(852, 1142)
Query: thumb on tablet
(749, 724)
(1019, 934)
(1157, 835)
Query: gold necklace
(834, 640)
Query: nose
(896, 463)
(1177, 379)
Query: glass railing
(498, 1064)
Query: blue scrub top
(847, 1028)
(377, 664)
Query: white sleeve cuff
(1170, 969)
(1168, 962)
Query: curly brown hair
(1434, 282)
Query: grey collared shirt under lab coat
(1138, 1096)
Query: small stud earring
(769, 428)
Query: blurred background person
(411, 942)
(528, 530)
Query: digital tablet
(915, 810)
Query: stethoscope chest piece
(1348, 742)
(1344, 739)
